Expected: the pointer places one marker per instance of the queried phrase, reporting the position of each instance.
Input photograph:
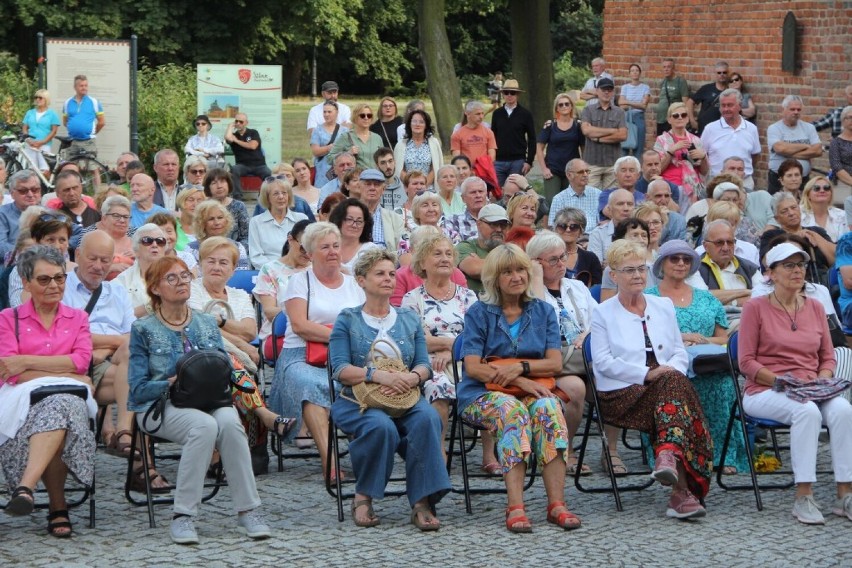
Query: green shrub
(167, 105)
(16, 90)
(568, 77)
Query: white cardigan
(585, 302)
(435, 152)
(618, 344)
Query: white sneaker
(806, 511)
(252, 525)
(843, 507)
(182, 531)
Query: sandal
(22, 502)
(571, 466)
(566, 519)
(120, 449)
(618, 467)
(518, 523)
(430, 523)
(492, 468)
(283, 425)
(372, 518)
(213, 471)
(55, 528)
(137, 481)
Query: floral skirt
(247, 402)
(669, 411)
(439, 387)
(521, 426)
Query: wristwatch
(223, 319)
(527, 188)
(526, 367)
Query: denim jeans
(503, 169)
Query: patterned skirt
(669, 411)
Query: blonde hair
(103, 194)
(203, 210)
(186, 194)
(283, 167)
(674, 108)
(646, 208)
(214, 243)
(356, 110)
(504, 257)
(806, 193)
(44, 94)
(726, 210)
(556, 103)
(425, 248)
(268, 186)
(516, 200)
(623, 249)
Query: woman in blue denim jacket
(508, 322)
(376, 437)
(157, 342)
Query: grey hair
(193, 161)
(2, 162)
(469, 181)
(369, 258)
(732, 159)
(420, 200)
(448, 167)
(626, 160)
(317, 231)
(780, 197)
(421, 233)
(413, 104)
(543, 241)
(21, 176)
(791, 99)
(659, 182)
(114, 201)
(473, 105)
(714, 223)
(612, 196)
(599, 60)
(846, 111)
(342, 155)
(571, 164)
(28, 258)
(732, 93)
(164, 152)
(145, 230)
(572, 214)
(722, 64)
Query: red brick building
(748, 34)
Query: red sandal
(566, 519)
(513, 524)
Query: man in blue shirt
(83, 116)
(142, 195)
(25, 189)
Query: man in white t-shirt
(330, 91)
(731, 135)
(589, 92)
(791, 137)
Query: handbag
(369, 395)
(316, 352)
(204, 380)
(838, 338)
(632, 139)
(547, 382)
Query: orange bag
(547, 382)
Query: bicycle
(12, 145)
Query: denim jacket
(155, 350)
(486, 334)
(351, 339)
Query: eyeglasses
(182, 278)
(821, 188)
(736, 79)
(496, 224)
(198, 172)
(279, 177)
(680, 259)
(630, 270)
(37, 98)
(553, 261)
(239, 122)
(581, 172)
(44, 281)
(26, 190)
(354, 222)
(54, 217)
(722, 243)
(201, 122)
(388, 105)
(791, 265)
(655, 223)
(366, 115)
(118, 217)
(679, 115)
(563, 105)
(148, 241)
(562, 227)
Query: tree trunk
(293, 62)
(532, 56)
(442, 83)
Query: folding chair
(458, 425)
(245, 280)
(595, 291)
(595, 414)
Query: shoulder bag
(316, 352)
(369, 395)
(547, 382)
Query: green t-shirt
(671, 91)
(464, 250)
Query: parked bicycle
(12, 145)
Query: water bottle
(569, 328)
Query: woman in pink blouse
(786, 334)
(45, 343)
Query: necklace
(185, 318)
(449, 294)
(795, 315)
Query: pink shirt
(766, 340)
(406, 280)
(69, 335)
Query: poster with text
(255, 90)
(106, 65)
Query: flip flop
(618, 467)
(571, 466)
(372, 518)
(283, 425)
(427, 513)
(492, 468)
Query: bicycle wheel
(13, 167)
(93, 172)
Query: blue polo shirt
(82, 117)
(139, 217)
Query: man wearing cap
(791, 137)
(474, 193)
(492, 225)
(619, 208)
(387, 225)
(727, 276)
(330, 91)
(514, 131)
(605, 128)
(589, 92)
(474, 139)
(248, 153)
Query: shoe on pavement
(665, 470)
(252, 525)
(806, 511)
(684, 505)
(182, 530)
(843, 507)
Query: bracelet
(369, 377)
(420, 379)
(669, 153)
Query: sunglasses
(511, 93)
(586, 172)
(821, 188)
(721, 243)
(26, 190)
(239, 122)
(279, 177)
(37, 98)
(201, 122)
(148, 241)
(563, 105)
(680, 115)
(44, 281)
(738, 79)
(197, 172)
(680, 259)
(721, 72)
(54, 217)
(366, 115)
(562, 227)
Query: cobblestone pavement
(307, 533)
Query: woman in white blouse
(268, 231)
(205, 144)
(817, 208)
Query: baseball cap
(491, 213)
(372, 174)
(605, 83)
(783, 252)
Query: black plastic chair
(458, 424)
(594, 414)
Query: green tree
(167, 102)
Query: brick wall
(748, 35)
